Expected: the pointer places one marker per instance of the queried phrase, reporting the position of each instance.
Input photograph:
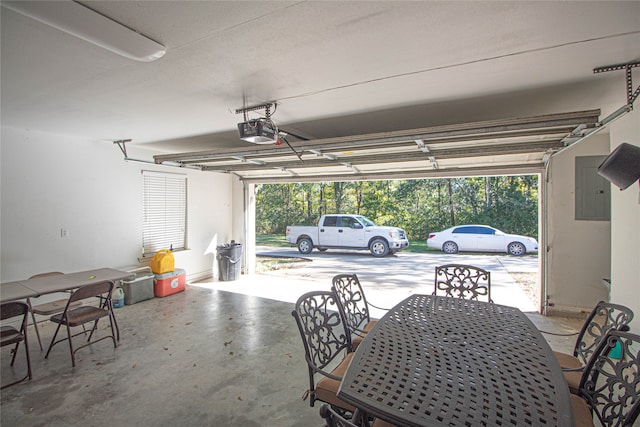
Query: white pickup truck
(347, 231)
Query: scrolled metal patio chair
(326, 339)
(333, 419)
(603, 318)
(354, 306)
(79, 316)
(10, 335)
(463, 281)
(609, 389)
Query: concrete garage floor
(204, 357)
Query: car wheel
(379, 248)
(516, 249)
(450, 247)
(305, 246)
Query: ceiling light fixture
(80, 21)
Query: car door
(328, 231)
(350, 233)
(487, 240)
(465, 238)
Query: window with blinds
(164, 212)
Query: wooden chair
(10, 335)
(602, 319)
(79, 316)
(463, 281)
(49, 308)
(609, 389)
(326, 340)
(354, 306)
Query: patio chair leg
(35, 324)
(15, 352)
(95, 328)
(116, 323)
(53, 341)
(73, 354)
(26, 349)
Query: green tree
(419, 206)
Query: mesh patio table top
(433, 361)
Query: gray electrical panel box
(593, 192)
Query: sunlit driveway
(390, 279)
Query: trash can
(229, 261)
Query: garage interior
(358, 91)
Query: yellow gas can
(162, 262)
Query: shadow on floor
(203, 357)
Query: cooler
(139, 287)
(169, 283)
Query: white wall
(625, 226)
(577, 251)
(50, 182)
(244, 223)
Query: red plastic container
(169, 283)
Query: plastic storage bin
(169, 283)
(139, 287)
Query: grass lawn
(272, 240)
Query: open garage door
(496, 147)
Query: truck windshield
(365, 221)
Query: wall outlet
(64, 233)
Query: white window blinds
(164, 212)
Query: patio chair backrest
(351, 300)
(604, 317)
(463, 281)
(10, 335)
(93, 290)
(321, 327)
(611, 381)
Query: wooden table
(433, 361)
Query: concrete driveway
(389, 280)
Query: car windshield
(365, 221)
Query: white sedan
(480, 238)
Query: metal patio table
(433, 361)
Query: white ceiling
(334, 68)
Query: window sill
(146, 259)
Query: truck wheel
(379, 248)
(305, 246)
